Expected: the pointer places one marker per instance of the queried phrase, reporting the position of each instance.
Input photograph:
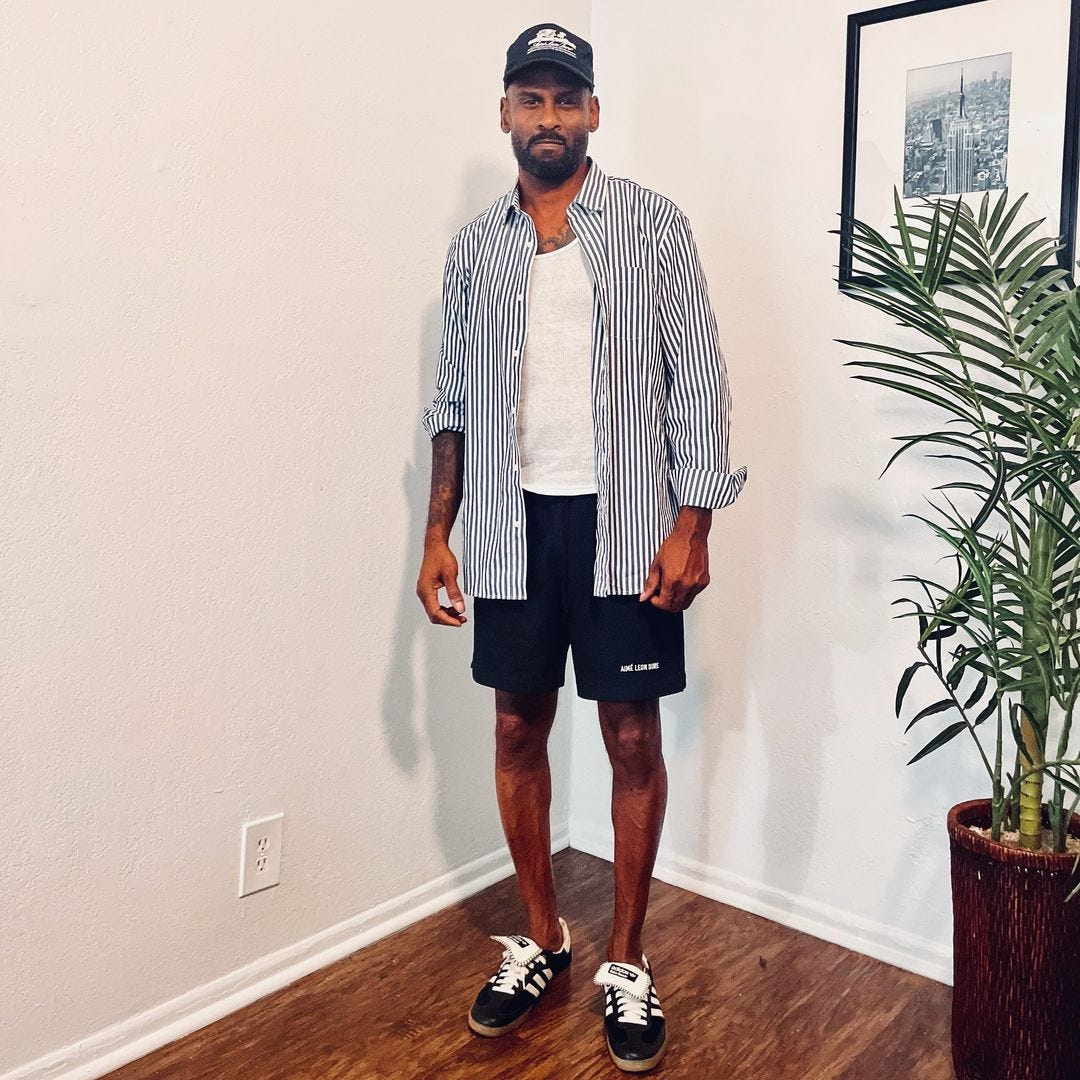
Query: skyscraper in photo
(960, 152)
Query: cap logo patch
(552, 39)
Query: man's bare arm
(447, 469)
(440, 568)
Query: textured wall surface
(220, 323)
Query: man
(580, 423)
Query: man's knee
(522, 725)
(632, 737)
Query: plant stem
(998, 805)
(1058, 821)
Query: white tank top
(554, 418)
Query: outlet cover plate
(260, 853)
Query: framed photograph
(950, 98)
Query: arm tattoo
(558, 239)
(447, 468)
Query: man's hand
(439, 568)
(680, 569)
(439, 571)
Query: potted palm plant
(995, 349)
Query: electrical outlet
(260, 854)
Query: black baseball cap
(551, 44)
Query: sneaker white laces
(511, 974)
(630, 1010)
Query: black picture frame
(1070, 144)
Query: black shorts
(623, 649)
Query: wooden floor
(744, 998)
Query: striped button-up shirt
(661, 404)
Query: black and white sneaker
(525, 973)
(633, 1020)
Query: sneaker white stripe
(532, 990)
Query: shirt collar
(591, 194)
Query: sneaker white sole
(644, 1065)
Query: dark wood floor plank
(922, 1021)
(745, 997)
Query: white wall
(226, 227)
(789, 793)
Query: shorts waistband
(539, 496)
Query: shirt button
(517, 524)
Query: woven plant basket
(1016, 956)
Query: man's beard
(551, 166)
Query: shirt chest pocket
(633, 303)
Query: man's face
(548, 115)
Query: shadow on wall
(431, 708)
(752, 544)
(735, 638)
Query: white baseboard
(122, 1043)
(861, 935)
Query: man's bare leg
(523, 786)
(631, 731)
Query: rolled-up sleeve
(699, 399)
(446, 411)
